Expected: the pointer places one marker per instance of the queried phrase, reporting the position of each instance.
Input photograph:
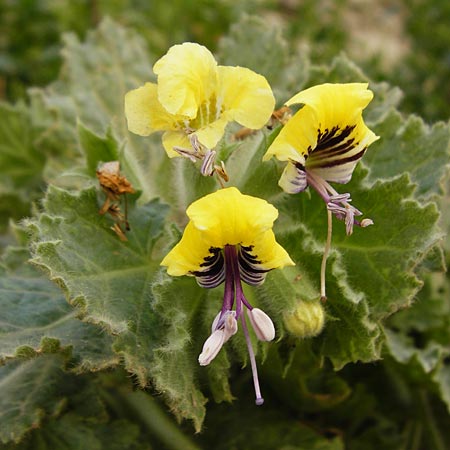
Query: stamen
(338, 204)
(211, 347)
(262, 324)
(318, 184)
(345, 212)
(323, 267)
(259, 399)
(338, 198)
(196, 145)
(207, 168)
(200, 152)
(226, 321)
(365, 223)
(186, 153)
(349, 221)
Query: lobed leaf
(112, 284)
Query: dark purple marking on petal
(214, 272)
(249, 268)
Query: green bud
(307, 320)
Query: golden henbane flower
(322, 143)
(229, 239)
(194, 99)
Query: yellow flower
(227, 218)
(196, 97)
(229, 239)
(323, 142)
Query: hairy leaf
(110, 283)
(35, 315)
(29, 390)
(409, 145)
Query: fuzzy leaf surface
(110, 283)
(409, 145)
(29, 390)
(35, 314)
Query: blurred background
(404, 42)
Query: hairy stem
(326, 251)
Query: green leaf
(72, 432)
(97, 149)
(96, 75)
(302, 381)
(110, 283)
(174, 368)
(21, 164)
(107, 279)
(36, 318)
(98, 72)
(83, 420)
(409, 145)
(371, 273)
(29, 390)
(418, 337)
(266, 428)
(442, 379)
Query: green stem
(416, 438)
(156, 421)
(326, 251)
(429, 418)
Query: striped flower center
(208, 112)
(231, 261)
(334, 147)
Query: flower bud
(262, 324)
(307, 320)
(211, 347)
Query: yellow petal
(293, 180)
(246, 96)
(229, 217)
(326, 107)
(171, 139)
(270, 254)
(144, 113)
(337, 166)
(187, 77)
(338, 104)
(296, 138)
(188, 254)
(211, 134)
